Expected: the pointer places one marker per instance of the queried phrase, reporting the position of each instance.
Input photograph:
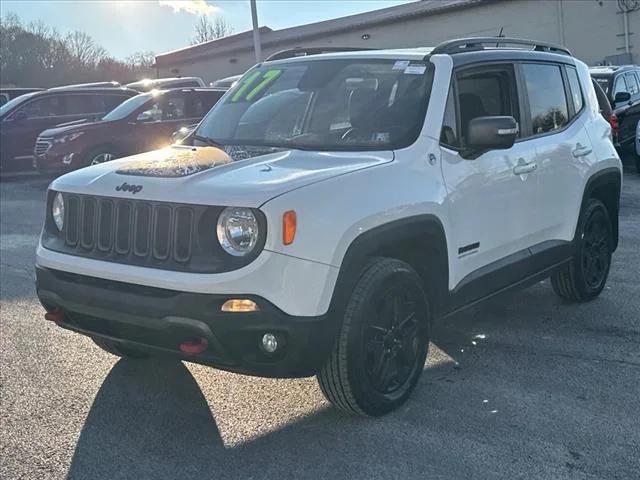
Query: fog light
(68, 158)
(239, 305)
(269, 343)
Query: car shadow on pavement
(150, 420)
(487, 392)
(142, 418)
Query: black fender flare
(373, 242)
(610, 179)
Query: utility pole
(256, 32)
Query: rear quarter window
(576, 89)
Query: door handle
(581, 151)
(524, 168)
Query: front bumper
(158, 320)
(51, 162)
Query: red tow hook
(194, 347)
(55, 315)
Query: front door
(155, 125)
(491, 196)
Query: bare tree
(83, 49)
(141, 59)
(210, 30)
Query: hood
(208, 176)
(70, 127)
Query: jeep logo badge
(125, 187)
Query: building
(596, 31)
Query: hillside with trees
(36, 55)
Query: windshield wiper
(209, 141)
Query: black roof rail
(303, 52)
(462, 45)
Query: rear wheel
(586, 275)
(118, 350)
(382, 346)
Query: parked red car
(142, 123)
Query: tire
(385, 327)
(99, 155)
(585, 276)
(119, 351)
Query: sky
(126, 26)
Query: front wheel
(585, 276)
(382, 346)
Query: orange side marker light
(289, 224)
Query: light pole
(256, 32)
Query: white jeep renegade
(330, 207)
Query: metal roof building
(595, 30)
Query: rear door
(556, 125)
(490, 197)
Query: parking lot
(525, 386)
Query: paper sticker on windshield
(401, 64)
(415, 70)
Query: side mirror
(622, 97)
(492, 133)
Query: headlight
(57, 211)
(237, 231)
(68, 138)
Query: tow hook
(55, 315)
(194, 347)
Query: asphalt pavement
(522, 387)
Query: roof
(88, 90)
(610, 69)
(244, 40)
(397, 54)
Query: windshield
(345, 104)
(16, 101)
(127, 107)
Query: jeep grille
(159, 231)
(169, 236)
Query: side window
(449, 133)
(619, 85)
(183, 84)
(50, 106)
(632, 83)
(486, 91)
(547, 100)
(203, 102)
(174, 108)
(106, 103)
(153, 113)
(81, 104)
(576, 91)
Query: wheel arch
(605, 185)
(98, 146)
(419, 241)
